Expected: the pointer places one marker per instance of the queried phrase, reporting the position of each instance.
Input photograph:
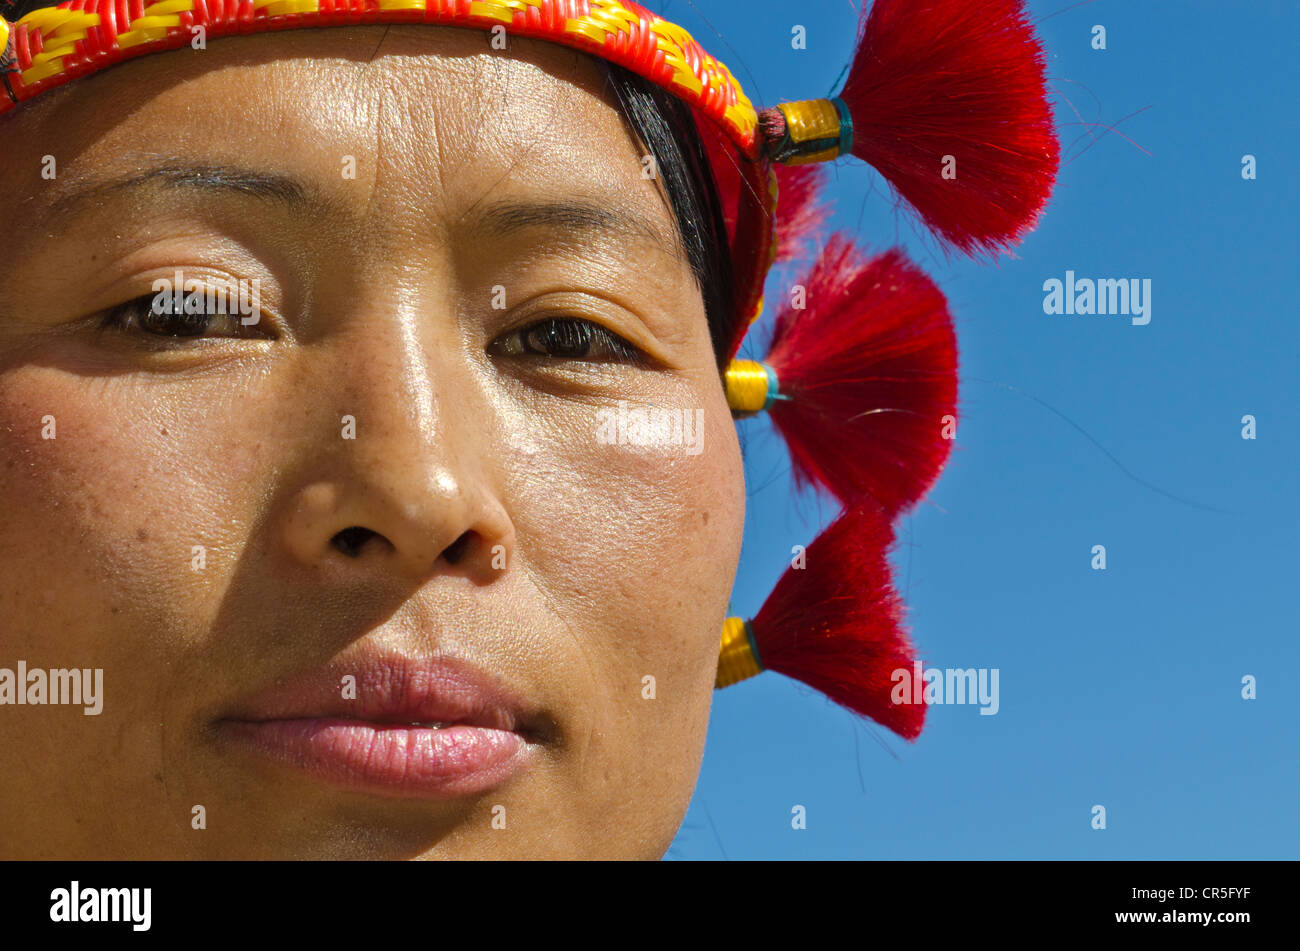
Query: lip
(372, 733)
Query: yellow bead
(747, 386)
(811, 119)
(736, 660)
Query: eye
(210, 312)
(568, 338)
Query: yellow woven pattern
(158, 17)
(59, 30)
(503, 11)
(810, 120)
(50, 19)
(736, 661)
(746, 384)
(612, 16)
(284, 7)
(169, 6)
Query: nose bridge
(397, 374)
(393, 391)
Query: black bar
(975, 900)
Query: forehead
(394, 117)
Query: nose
(393, 474)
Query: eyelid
(136, 273)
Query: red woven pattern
(617, 30)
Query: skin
(376, 302)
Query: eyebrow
(271, 187)
(581, 219)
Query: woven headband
(946, 99)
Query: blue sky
(1121, 687)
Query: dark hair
(15, 10)
(666, 125)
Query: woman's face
(286, 541)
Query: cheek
(637, 544)
(647, 534)
(106, 491)
(112, 486)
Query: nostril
(456, 550)
(350, 541)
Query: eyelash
(573, 335)
(127, 317)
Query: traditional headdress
(944, 98)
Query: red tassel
(869, 371)
(837, 624)
(959, 78)
(799, 213)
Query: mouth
(391, 725)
